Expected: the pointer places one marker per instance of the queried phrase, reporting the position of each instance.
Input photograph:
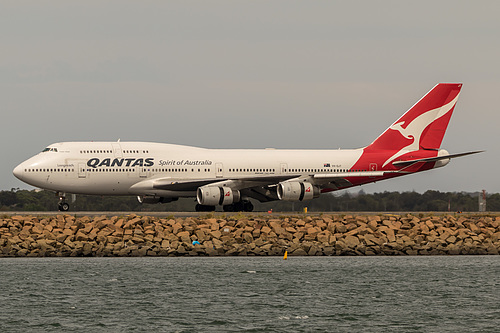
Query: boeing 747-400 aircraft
(158, 173)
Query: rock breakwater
(301, 235)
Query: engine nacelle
(297, 191)
(216, 195)
(145, 199)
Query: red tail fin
(424, 124)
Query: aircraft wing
(332, 176)
(258, 186)
(237, 183)
(340, 180)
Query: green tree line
(24, 200)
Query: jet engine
(217, 195)
(146, 199)
(297, 191)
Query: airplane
(162, 173)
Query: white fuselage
(113, 168)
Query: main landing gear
(63, 206)
(242, 206)
(204, 208)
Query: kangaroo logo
(417, 126)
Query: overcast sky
(249, 74)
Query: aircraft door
(117, 150)
(283, 168)
(218, 170)
(373, 167)
(82, 170)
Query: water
(253, 294)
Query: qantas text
(119, 162)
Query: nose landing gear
(63, 206)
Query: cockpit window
(49, 149)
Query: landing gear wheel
(240, 206)
(203, 208)
(63, 207)
(247, 206)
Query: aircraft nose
(19, 171)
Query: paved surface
(224, 214)
(160, 214)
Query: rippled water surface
(254, 294)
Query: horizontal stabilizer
(435, 159)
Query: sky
(249, 74)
